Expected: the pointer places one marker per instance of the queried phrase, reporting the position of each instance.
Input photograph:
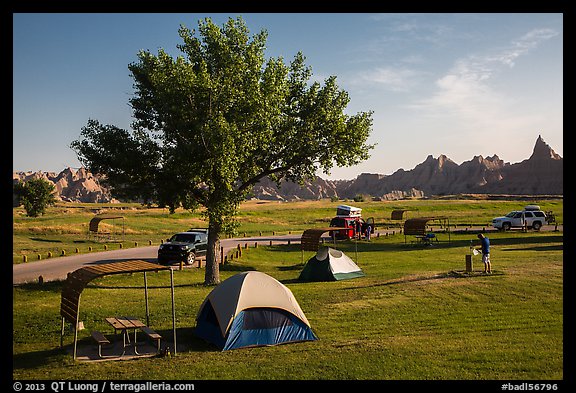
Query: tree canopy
(36, 195)
(212, 122)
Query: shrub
(36, 195)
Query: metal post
(76, 327)
(146, 299)
(469, 266)
(62, 334)
(75, 338)
(173, 309)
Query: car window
(518, 215)
(337, 222)
(511, 214)
(528, 214)
(185, 238)
(539, 214)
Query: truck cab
(184, 247)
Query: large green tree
(212, 122)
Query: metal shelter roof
(398, 214)
(96, 220)
(80, 278)
(417, 226)
(310, 240)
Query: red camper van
(350, 217)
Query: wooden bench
(152, 335)
(100, 340)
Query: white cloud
(523, 45)
(467, 89)
(391, 78)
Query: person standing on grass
(485, 243)
(368, 232)
(358, 229)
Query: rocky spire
(543, 151)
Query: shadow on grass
(38, 239)
(31, 360)
(537, 248)
(101, 261)
(456, 242)
(50, 286)
(231, 267)
(298, 266)
(410, 279)
(186, 341)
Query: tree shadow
(35, 359)
(457, 241)
(186, 341)
(38, 239)
(298, 266)
(538, 248)
(49, 286)
(231, 267)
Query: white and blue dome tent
(251, 309)
(330, 265)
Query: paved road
(57, 268)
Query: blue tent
(251, 309)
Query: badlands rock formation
(541, 174)
(71, 185)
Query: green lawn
(65, 226)
(414, 315)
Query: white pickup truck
(531, 217)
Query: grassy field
(414, 316)
(65, 226)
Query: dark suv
(184, 247)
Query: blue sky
(461, 84)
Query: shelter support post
(75, 338)
(146, 299)
(173, 308)
(62, 333)
(76, 327)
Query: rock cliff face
(318, 189)
(541, 174)
(71, 185)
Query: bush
(36, 195)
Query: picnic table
(125, 324)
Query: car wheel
(190, 258)
(506, 226)
(536, 225)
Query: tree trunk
(212, 275)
